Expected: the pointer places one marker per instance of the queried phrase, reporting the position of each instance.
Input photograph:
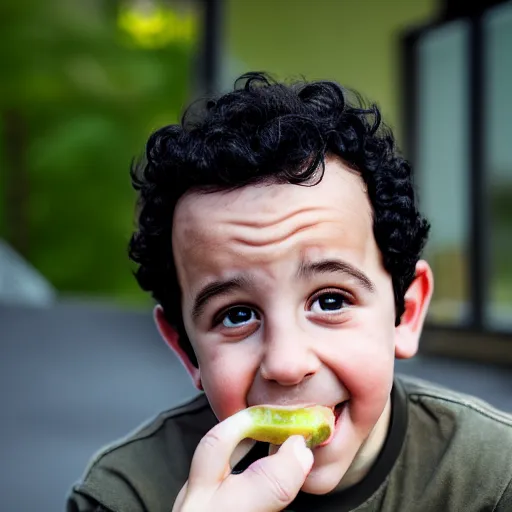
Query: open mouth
(337, 410)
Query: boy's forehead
(265, 204)
(264, 223)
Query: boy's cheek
(227, 373)
(226, 391)
(363, 365)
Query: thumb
(272, 483)
(178, 502)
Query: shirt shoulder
(146, 469)
(449, 399)
(454, 443)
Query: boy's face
(286, 301)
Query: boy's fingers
(272, 483)
(211, 461)
(178, 502)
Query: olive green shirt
(445, 451)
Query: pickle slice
(275, 425)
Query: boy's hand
(267, 485)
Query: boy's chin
(322, 480)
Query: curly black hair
(266, 131)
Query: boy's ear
(171, 337)
(417, 301)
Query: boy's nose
(288, 361)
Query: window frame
(477, 340)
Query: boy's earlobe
(171, 337)
(417, 301)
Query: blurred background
(84, 84)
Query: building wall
(353, 42)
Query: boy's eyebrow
(330, 266)
(215, 289)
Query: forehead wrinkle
(258, 233)
(263, 223)
(262, 242)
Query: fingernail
(304, 455)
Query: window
(458, 118)
(497, 39)
(442, 164)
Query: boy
(278, 232)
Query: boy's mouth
(337, 410)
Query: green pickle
(276, 424)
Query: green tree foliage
(79, 96)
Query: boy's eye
(238, 316)
(329, 302)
